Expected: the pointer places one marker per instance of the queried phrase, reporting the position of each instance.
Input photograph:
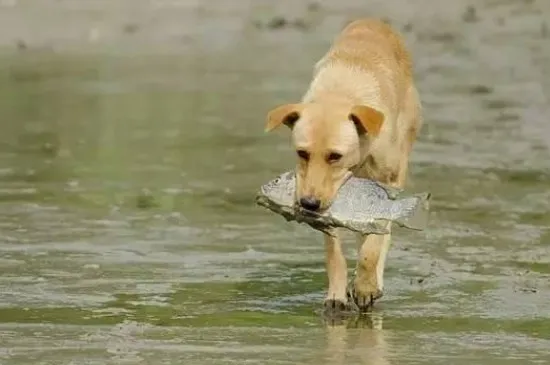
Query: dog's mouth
(325, 206)
(302, 214)
(304, 211)
(307, 213)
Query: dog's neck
(372, 169)
(373, 166)
(335, 82)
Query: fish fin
(393, 192)
(418, 220)
(328, 230)
(288, 216)
(367, 227)
(316, 221)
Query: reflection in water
(361, 337)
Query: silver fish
(360, 205)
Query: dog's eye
(333, 157)
(303, 155)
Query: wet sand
(132, 146)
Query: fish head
(329, 138)
(281, 190)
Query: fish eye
(334, 157)
(304, 155)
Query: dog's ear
(366, 119)
(286, 114)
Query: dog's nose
(310, 203)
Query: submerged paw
(336, 307)
(364, 300)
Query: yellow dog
(360, 116)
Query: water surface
(132, 146)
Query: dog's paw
(335, 308)
(363, 296)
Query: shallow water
(132, 145)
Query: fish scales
(360, 205)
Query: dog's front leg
(336, 300)
(368, 283)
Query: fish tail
(418, 219)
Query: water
(132, 145)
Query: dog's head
(328, 140)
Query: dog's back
(370, 44)
(367, 63)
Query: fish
(360, 205)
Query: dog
(360, 116)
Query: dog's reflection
(360, 338)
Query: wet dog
(360, 116)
